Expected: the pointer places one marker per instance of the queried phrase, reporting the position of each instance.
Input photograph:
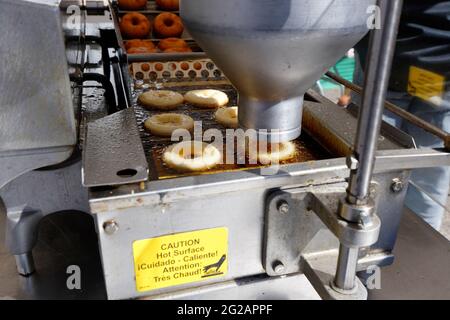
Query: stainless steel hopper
(274, 50)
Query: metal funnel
(272, 51)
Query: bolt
(397, 185)
(110, 227)
(278, 267)
(352, 163)
(283, 207)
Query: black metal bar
(110, 96)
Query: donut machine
(308, 227)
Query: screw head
(110, 227)
(278, 267)
(283, 207)
(397, 185)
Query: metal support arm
(357, 206)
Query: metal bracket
(289, 228)
(113, 152)
(295, 217)
(304, 223)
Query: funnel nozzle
(274, 121)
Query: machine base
(413, 275)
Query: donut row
(165, 100)
(164, 45)
(135, 25)
(170, 100)
(171, 5)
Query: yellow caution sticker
(180, 258)
(425, 84)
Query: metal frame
(334, 231)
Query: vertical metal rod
(346, 268)
(25, 263)
(379, 63)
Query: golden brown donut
(135, 43)
(187, 49)
(170, 5)
(135, 26)
(172, 43)
(141, 50)
(168, 25)
(132, 4)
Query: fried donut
(172, 43)
(168, 4)
(165, 124)
(135, 43)
(178, 50)
(275, 153)
(167, 25)
(135, 25)
(141, 50)
(132, 4)
(228, 117)
(208, 98)
(161, 99)
(192, 156)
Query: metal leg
(31, 197)
(346, 268)
(25, 263)
(21, 236)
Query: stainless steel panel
(113, 153)
(238, 205)
(242, 218)
(36, 108)
(295, 287)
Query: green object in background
(344, 68)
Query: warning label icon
(215, 267)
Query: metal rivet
(110, 227)
(283, 207)
(397, 185)
(278, 267)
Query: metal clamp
(357, 213)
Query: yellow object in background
(425, 84)
(180, 258)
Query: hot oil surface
(154, 146)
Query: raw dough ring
(208, 98)
(192, 156)
(228, 117)
(286, 151)
(161, 99)
(165, 124)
